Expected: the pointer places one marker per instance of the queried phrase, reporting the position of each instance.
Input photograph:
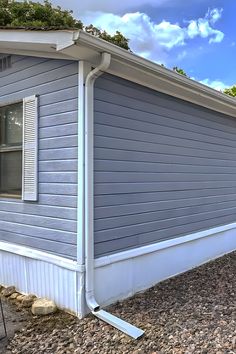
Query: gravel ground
(192, 313)
(15, 318)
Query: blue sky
(198, 35)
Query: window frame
(13, 148)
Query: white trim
(140, 251)
(127, 276)
(37, 43)
(59, 37)
(40, 255)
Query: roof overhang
(35, 43)
(79, 45)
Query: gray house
(115, 173)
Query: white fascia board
(36, 43)
(40, 37)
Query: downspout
(89, 205)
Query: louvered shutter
(30, 149)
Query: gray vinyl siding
(50, 223)
(164, 167)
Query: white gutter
(89, 206)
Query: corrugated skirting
(42, 279)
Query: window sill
(10, 196)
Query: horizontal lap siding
(163, 167)
(50, 223)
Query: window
(11, 123)
(19, 149)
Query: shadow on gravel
(15, 320)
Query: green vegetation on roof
(45, 16)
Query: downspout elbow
(98, 71)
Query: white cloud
(155, 40)
(202, 27)
(168, 35)
(147, 39)
(215, 84)
(214, 15)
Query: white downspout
(89, 205)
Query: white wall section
(123, 274)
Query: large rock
(20, 297)
(28, 300)
(8, 291)
(14, 296)
(43, 307)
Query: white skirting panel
(43, 278)
(117, 276)
(122, 275)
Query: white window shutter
(30, 149)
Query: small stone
(43, 307)
(28, 300)
(8, 291)
(20, 297)
(14, 296)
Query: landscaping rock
(14, 296)
(8, 291)
(43, 307)
(28, 300)
(20, 297)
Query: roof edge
(145, 72)
(79, 45)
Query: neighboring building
(143, 163)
